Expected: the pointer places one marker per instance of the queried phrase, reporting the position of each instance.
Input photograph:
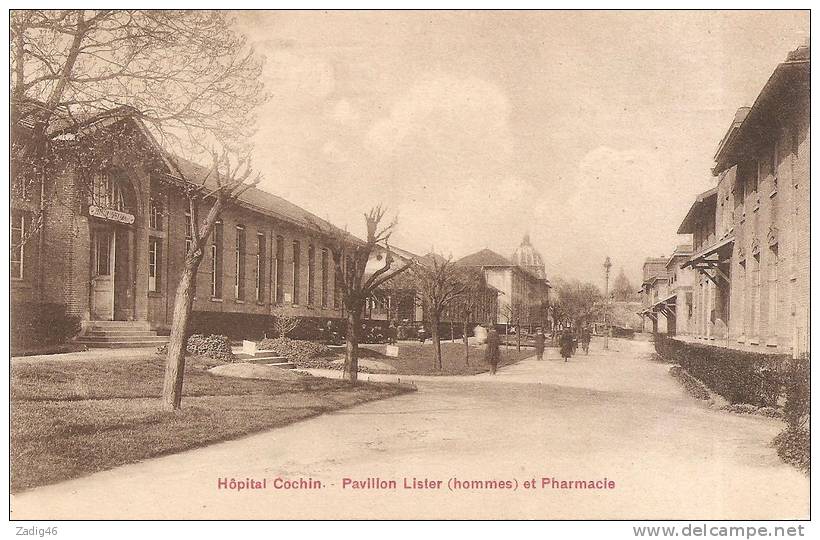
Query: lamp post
(607, 266)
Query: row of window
(261, 262)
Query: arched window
(109, 190)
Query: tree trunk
(436, 340)
(351, 369)
(466, 344)
(518, 335)
(175, 363)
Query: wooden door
(102, 274)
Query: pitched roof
(787, 86)
(255, 198)
(485, 257)
(706, 201)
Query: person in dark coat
(567, 344)
(539, 344)
(492, 354)
(586, 337)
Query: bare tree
(512, 313)
(284, 323)
(185, 73)
(438, 282)
(350, 257)
(221, 186)
(474, 295)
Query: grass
(72, 418)
(418, 359)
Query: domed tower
(528, 258)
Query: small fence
(739, 376)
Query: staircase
(119, 334)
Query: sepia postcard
(410, 265)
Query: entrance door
(102, 274)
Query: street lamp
(607, 266)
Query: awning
(665, 304)
(710, 256)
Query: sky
(591, 131)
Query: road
(613, 414)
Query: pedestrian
(392, 333)
(567, 343)
(492, 354)
(539, 344)
(586, 337)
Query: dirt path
(610, 415)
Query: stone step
(106, 338)
(120, 333)
(131, 325)
(130, 344)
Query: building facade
(114, 244)
(654, 291)
(521, 281)
(753, 265)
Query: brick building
(752, 255)
(110, 249)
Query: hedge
(739, 376)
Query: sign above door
(110, 214)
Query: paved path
(614, 415)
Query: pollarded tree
(350, 257)
(185, 73)
(283, 323)
(438, 282)
(223, 184)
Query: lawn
(72, 418)
(418, 359)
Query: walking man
(539, 344)
(492, 354)
(567, 343)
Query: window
(311, 272)
(324, 278)
(154, 264)
(18, 233)
(260, 267)
(295, 270)
(189, 231)
(755, 303)
(280, 266)
(216, 261)
(106, 192)
(757, 172)
(773, 299)
(155, 214)
(239, 268)
(774, 161)
(102, 252)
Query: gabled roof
(184, 170)
(485, 257)
(704, 203)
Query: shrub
(793, 444)
(296, 349)
(739, 376)
(41, 324)
(213, 346)
(794, 447)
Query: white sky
(592, 131)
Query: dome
(528, 257)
